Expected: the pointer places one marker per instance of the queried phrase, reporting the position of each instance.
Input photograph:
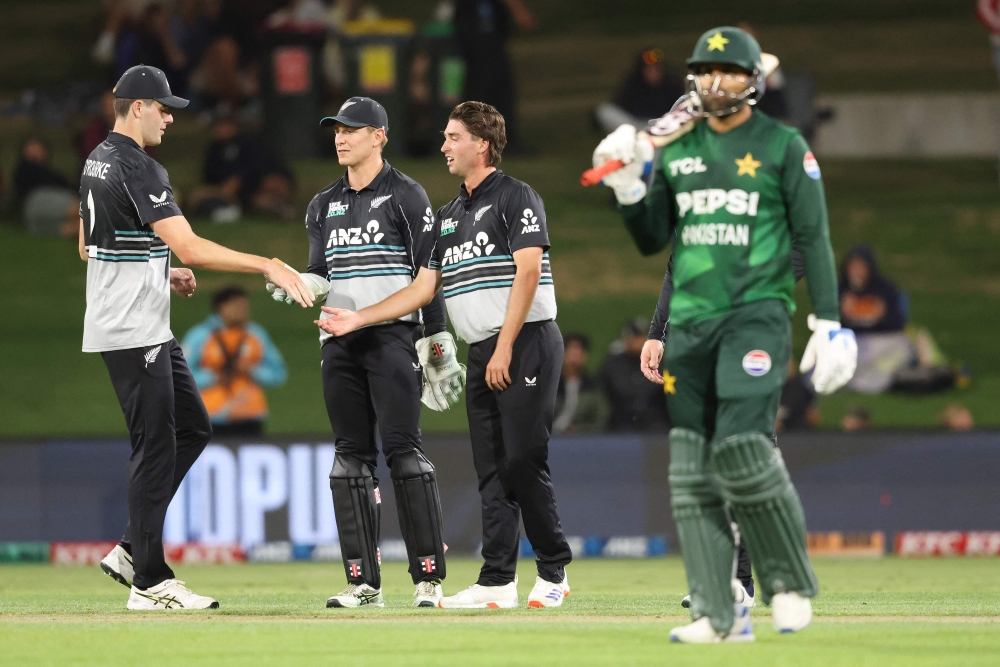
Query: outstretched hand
(182, 281)
(289, 280)
(341, 321)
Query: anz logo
(355, 236)
(468, 250)
(530, 222)
(428, 220)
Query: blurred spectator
(956, 417)
(192, 27)
(49, 205)
(482, 29)
(873, 306)
(773, 103)
(580, 406)
(636, 403)
(297, 14)
(222, 80)
(241, 174)
(857, 419)
(648, 92)
(231, 358)
(988, 12)
(797, 409)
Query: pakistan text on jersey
(707, 202)
(718, 233)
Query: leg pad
(419, 507)
(356, 506)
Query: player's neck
(360, 175)
(479, 175)
(130, 131)
(732, 121)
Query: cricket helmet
(727, 46)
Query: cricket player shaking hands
(732, 194)
(370, 232)
(491, 259)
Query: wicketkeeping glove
(318, 285)
(637, 155)
(444, 377)
(832, 352)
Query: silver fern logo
(151, 355)
(481, 212)
(378, 201)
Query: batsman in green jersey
(732, 194)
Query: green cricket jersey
(732, 204)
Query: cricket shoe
(702, 632)
(118, 565)
(171, 594)
(790, 612)
(740, 594)
(356, 595)
(483, 597)
(547, 594)
(428, 594)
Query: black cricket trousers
(169, 427)
(510, 432)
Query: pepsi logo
(811, 166)
(757, 363)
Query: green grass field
(878, 612)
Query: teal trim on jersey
(456, 265)
(377, 272)
(123, 258)
(349, 248)
(120, 232)
(488, 285)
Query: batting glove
(444, 377)
(636, 152)
(318, 285)
(831, 355)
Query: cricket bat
(668, 128)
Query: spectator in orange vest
(231, 359)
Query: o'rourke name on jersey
(715, 233)
(707, 202)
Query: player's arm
(522, 294)
(193, 250)
(407, 300)
(82, 245)
(651, 220)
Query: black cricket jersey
(122, 192)
(477, 236)
(370, 243)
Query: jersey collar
(379, 177)
(119, 138)
(485, 186)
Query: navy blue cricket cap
(359, 112)
(143, 82)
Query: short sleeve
(437, 250)
(149, 187)
(314, 230)
(421, 235)
(524, 213)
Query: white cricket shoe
(702, 632)
(118, 565)
(740, 594)
(547, 594)
(357, 595)
(170, 594)
(483, 597)
(428, 594)
(790, 612)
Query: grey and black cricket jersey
(123, 191)
(477, 238)
(370, 243)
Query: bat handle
(594, 176)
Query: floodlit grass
(880, 612)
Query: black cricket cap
(143, 82)
(359, 112)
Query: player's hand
(444, 377)
(649, 360)
(498, 370)
(831, 355)
(288, 279)
(636, 153)
(341, 321)
(182, 281)
(318, 285)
